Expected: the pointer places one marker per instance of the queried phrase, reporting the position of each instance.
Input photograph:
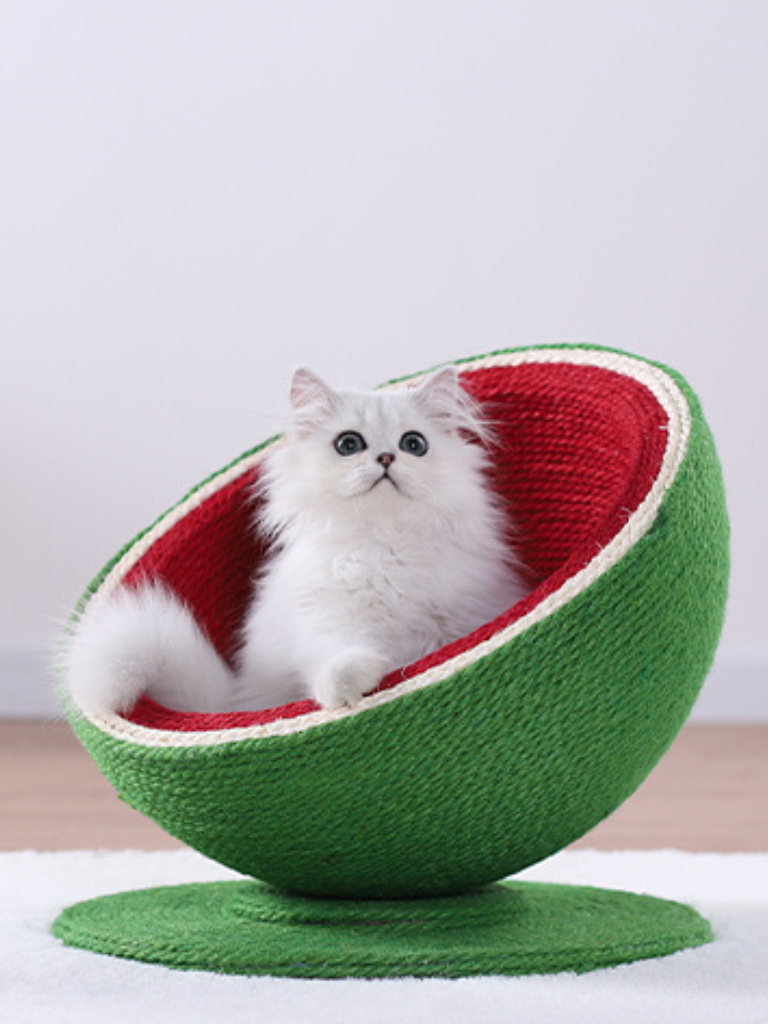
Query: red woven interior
(579, 448)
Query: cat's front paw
(348, 677)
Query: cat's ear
(438, 394)
(312, 401)
(442, 398)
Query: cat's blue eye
(414, 443)
(350, 443)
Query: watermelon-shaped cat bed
(483, 758)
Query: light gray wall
(195, 197)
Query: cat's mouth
(384, 476)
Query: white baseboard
(736, 690)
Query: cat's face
(395, 453)
(379, 447)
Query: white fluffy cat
(387, 544)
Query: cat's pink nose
(385, 459)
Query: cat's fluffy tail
(139, 642)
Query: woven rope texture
(493, 753)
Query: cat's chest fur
(403, 585)
(376, 569)
(382, 573)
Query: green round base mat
(511, 928)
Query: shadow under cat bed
(378, 833)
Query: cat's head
(397, 453)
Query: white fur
(144, 641)
(368, 573)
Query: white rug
(722, 983)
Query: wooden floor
(710, 792)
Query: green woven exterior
(511, 929)
(471, 779)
